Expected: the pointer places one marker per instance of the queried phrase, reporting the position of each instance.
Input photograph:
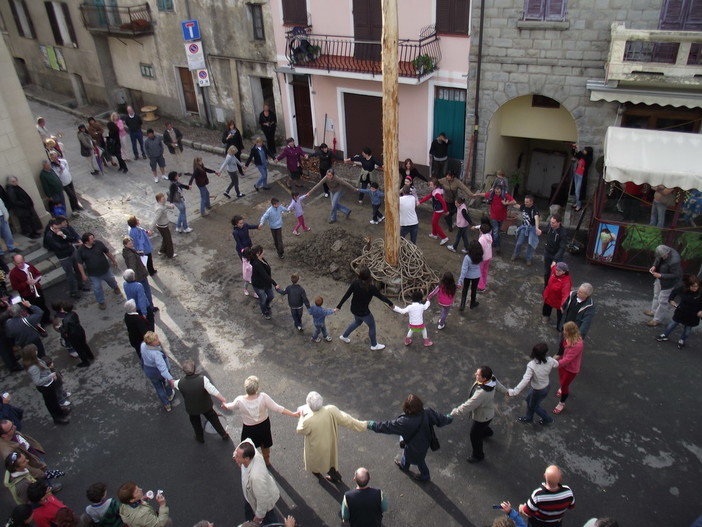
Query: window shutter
(694, 16)
(555, 9)
(533, 9)
(13, 8)
(54, 23)
(671, 15)
(461, 16)
(295, 12)
(69, 23)
(443, 16)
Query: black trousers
(478, 432)
(51, 399)
(211, 416)
(473, 283)
(277, 235)
(81, 347)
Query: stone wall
(554, 59)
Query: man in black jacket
(196, 390)
(364, 506)
(134, 123)
(555, 245)
(61, 239)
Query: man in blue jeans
(528, 232)
(335, 188)
(94, 260)
(134, 123)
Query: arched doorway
(529, 137)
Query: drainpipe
(476, 113)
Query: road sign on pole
(196, 58)
(191, 30)
(203, 78)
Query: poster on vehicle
(606, 242)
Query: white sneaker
(378, 347)
(156, 180)
(451, 248)
(187, 230)
(344, 339)
(434, 236)
(326, 195)
(164, 176)
(373, 222)
(174, 255)
(328, 338)
(443, 242)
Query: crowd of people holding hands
(89, 261)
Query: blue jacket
(135, 291)
(376, 196)
(274, 215)
(142, 243)
(469, 269)
(319, 314)
(156, 358)
(242, 238)
(414, 429)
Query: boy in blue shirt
(274, 216)
(376, 197)
(319, 315)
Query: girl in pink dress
(446, 291)
(485, 241)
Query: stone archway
(529, 137)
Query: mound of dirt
(330, 253)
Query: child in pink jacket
(447, 292)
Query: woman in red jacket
(556, 291)
(569, 362)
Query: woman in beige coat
(319, 424)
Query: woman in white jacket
(536, 376)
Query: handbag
(433, 441)
(42, 332)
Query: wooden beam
(391, 160)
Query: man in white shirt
(409, 223)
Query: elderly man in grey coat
(667, 273)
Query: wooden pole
(391, 160)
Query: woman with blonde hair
(569, 362)
(157, 369)
(47, 382)
(232, 165)
(253, 408)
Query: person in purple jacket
(292, 154)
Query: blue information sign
(191, 30)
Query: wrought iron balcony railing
(119, 21)
(417, 58)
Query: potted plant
(423, 64)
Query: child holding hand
(416, 318)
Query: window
(257, 19)
(165, 5)
(61, 26)
(546, 10)
(295, 12)
(453, 17)
(681, 15)
(25, 28)
(147, 70)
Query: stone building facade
(531, 55)
(116, 52)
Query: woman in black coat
(687, 301)
(114, 146)
(363, 292)
(414, 427)
(261, 279)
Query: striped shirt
(546, 507)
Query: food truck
(637, 163)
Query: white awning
(601, 90)
(653, 156)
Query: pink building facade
(328, 63)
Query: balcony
(118, 21)
(655, 58)
(418, 59)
